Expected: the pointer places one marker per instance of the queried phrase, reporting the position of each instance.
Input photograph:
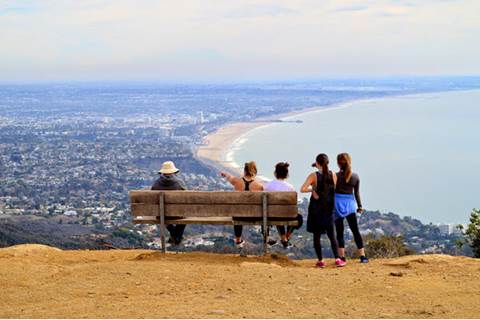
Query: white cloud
(195, 39)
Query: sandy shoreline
(219, 143)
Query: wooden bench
(214, 207)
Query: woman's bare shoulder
(312, 176)
(257, 186)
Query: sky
(205, 40)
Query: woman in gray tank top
(347, 205)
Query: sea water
(416, 155)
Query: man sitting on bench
(169, 181)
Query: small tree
(472, 233)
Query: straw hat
(168, 167)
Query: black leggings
(237, 229)
(176, 231)
(353, 224)
(281, 229)
(318, 246)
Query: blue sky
(206, 40)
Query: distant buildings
(449, 229)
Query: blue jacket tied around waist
(345, 205)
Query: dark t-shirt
(169, 182)
(350, 187)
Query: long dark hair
(322, 160)
(345, 164)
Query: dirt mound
(214, 258)
(44, 282)
(433, 259)
(28, 249)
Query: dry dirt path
(43, 282)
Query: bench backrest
(213, 203)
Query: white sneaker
(239, 244)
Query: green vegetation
(472, 233)
(386, 247)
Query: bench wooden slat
(144, 209)
(222, 210)
(192, 197)
(213, 197)
(217, 210)
(213, 220)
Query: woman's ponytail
(325, 171)
(345, 163)
(250, 169)
(322, 160)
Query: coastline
(218, 144)
(223, 141)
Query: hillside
(43, 282)
(62, 232)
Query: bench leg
(162, 236)
(162, 221)
(265, 227)
(265, 238)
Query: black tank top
(325, 189)
(247, 184)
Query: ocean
(417, 155)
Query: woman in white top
(281, 174)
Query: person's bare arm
(231, 179)
(307, 185)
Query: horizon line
(279, 80)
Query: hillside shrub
(472, 233)
(386, 247)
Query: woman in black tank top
(245, 183)
(321, 185)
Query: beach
(219, 142)
(217, 150)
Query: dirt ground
(43, 282)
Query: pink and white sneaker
(320, 264)
(340, 263)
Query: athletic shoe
(320, 264)
(285, 244)
(340, 263)
(343, 259)
(363, 259)
(239, 244)
(271, 242)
